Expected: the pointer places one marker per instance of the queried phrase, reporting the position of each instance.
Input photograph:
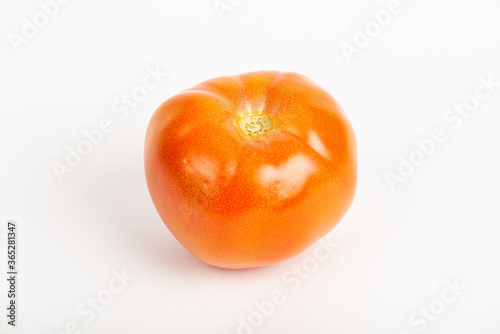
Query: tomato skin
(250, 170)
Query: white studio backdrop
(418, 251)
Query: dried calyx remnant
(255, 126)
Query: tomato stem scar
(255, 126)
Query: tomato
(250, 170)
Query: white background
(396, 249)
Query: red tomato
(250, 170)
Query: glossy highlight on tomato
(252, 169)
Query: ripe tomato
(252, 169)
